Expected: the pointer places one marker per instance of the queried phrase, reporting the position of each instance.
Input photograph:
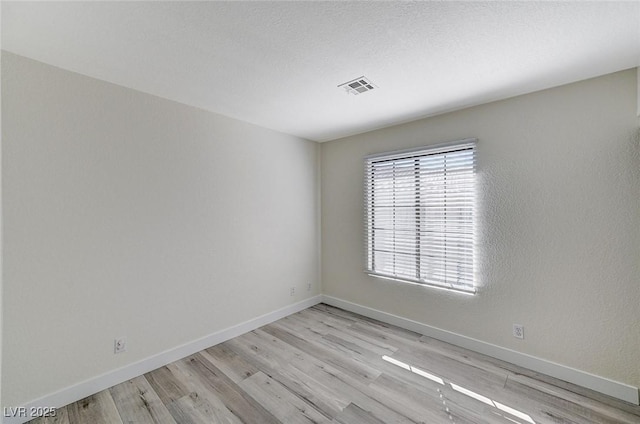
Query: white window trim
(443, 148)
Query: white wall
(558, 220)
(129, 215)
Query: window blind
(420, 208)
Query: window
(420, 208)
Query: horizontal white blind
(420, 208)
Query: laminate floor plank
(435, 350)
(354, 414)
(361, 319)
(398, 341)
(360, 344)
(193, 409)
(345, 388)
(326, 365)
(471, 377)
(344, 358)
(419, 403)
(322, 321)
(96, 409)
(351, 333)
(229, 362)
(337, 313)
(237, 400)
(312, 390)
(321, 397)
(137, 402)
(166, 385)
(319, 323)
(281, 402)
(198, 393)
(343, 383)
(310, 363)
(463, 404)
(464, 356)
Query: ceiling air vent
(358, 85)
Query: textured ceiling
(278, 64)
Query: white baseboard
(94, 385)
(581, 378)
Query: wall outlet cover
(119, 345)
(518, 331)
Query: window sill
(423, 284)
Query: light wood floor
(326, 365)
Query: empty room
(320, 212)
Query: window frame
(406, 156)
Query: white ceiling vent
(358, 85)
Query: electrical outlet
(309, 286)
(119, 345)
(518, 331)
(292, 291)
